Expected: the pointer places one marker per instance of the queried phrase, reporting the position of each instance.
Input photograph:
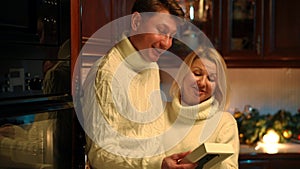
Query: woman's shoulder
(228, 117)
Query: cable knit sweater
(121, 102)
(208, 125)
(124, 121)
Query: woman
(200, 96)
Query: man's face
(154, 35)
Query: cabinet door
(242, 32)
(206, 15)
(95, 14)
(98, 34)
(261, 33)
(282, 30)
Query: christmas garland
(253, 126)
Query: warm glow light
(201, 11)
(269, 142)
(287, 134)
(271, 137)
(192, 12)
(270, 148)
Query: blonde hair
(222, 91)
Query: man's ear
(136, 19)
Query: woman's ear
(136, 19)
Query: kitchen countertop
(270, 148)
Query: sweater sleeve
(112, 124)
(228, 134)
(99, 158)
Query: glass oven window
(40, 141)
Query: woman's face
(153, 35)
(200, 83)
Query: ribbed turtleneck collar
(132, 56)
(202, 111)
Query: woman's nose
(201, 81)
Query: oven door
(37, 134)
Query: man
(121, 99)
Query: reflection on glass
(33, 141)
(42, 140)
(48, 73)
(198, 10)
(31, 42)
(57, 73)
(243, 25)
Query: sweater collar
(131, 56)
(202, 111)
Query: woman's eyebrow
(198, 68)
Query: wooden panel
(75, 32)
(282, 30)
(254, 53)
(95, 14)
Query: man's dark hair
(158, 5)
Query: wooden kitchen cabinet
(282, 30)
(97, 13)
(242, 35)
(266, 35)
(88, 16)
(248, 33)
(253, 33)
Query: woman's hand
(173, 162)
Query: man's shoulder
(111, 59)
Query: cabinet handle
(217, 43)
(258, 45)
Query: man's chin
(154, 55)
(154, 58)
